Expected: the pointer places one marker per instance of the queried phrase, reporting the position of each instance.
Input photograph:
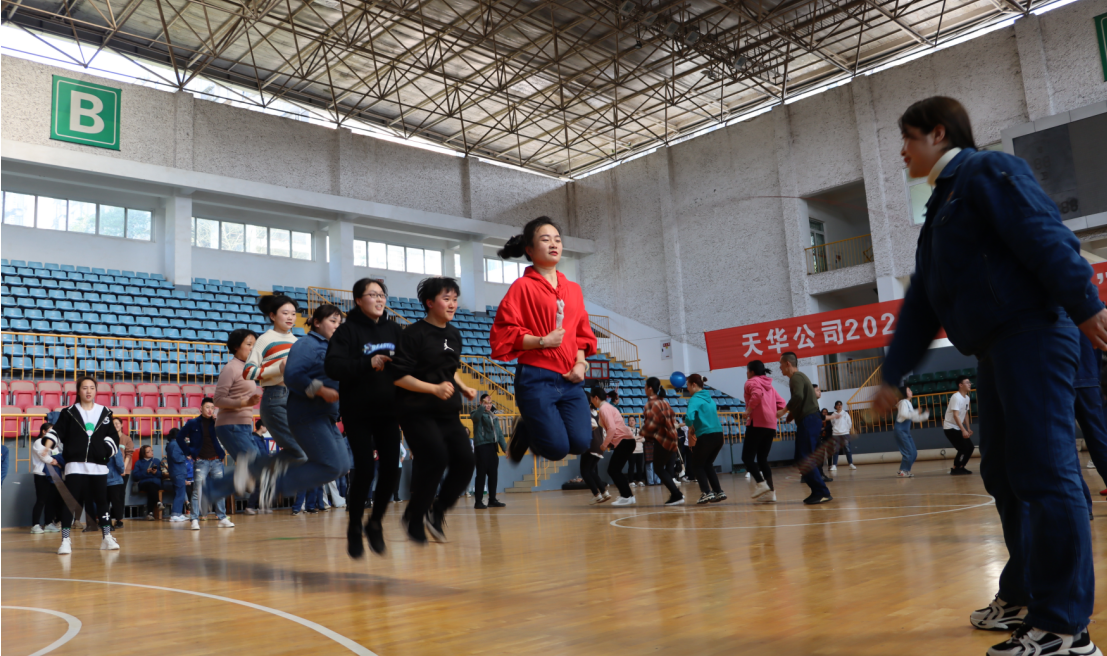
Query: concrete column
(178, 239)
(877, 180)
(471, 276)
(674, 278)
(890, 288)
(794, 212)
(340, 269)
(182, 136)
(1032, 62)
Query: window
(232, 237)
(457, 265)
(301, 245)
(207, 233)
(242, 238)
(257, 240)
(395, 258)
(501, 271)
(280, 242)
(511, 272)
(76, 216)
(376, 255)
(359, 254)
(415, 262)
(433, 262)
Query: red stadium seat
(3, 392)
(170, 422)
(125, 395)
(103, 394)
(50, 393)
(209, 391)
(11, 426)
(126, 420)
(193, 394)
(23, 393)
(35, 422)
(145, 422)
(149, 396)
(171, 394)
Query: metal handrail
(865, 420)
(845, 375)
(839, 254)
(619, 348)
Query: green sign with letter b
(85, 113)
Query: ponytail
(653, 383)
(757, 367)
(516, 247)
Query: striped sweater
(264, 363)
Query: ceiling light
(739, 62)
(671, 29)
(638, 44)
(627, 8)
(691, 37)
(649, 18)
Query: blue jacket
(259, 442)
(176, 459)
(139, 473)
(115, 469)
(993, 257)
(191, 436)
(304, 375)
(1087, 370)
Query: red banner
(839, 331)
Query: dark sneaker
(435, 523)
(296, 512)
(496, 503)
(520, 441)
(816, 499)
(415, 530)
(374, 532)
(354, 545)
(675, 500)
(313, 511)
(1033, 642)
(718, 496)
(480, 506)
(706, 498)
(827, 479)
(998, 616)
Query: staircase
(543, 471)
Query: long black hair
(270, 304)
(517, 245)
(925, 115)
(758, 368)
(654, 383)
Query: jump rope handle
(560, 312)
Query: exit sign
(85, 113)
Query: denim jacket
(993, 258)
(115, 469)
(304, 375)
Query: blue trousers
(1093, 424)
(906, 444)
(325, 448)
(807, 438)
(308, 500)
(1031, 468)
(237, 439)
(557, 416)
(274, 414)
(205, 470)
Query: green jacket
(803, 401)
(703, 414)
(486, 430)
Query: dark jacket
(486, 430)
(77, 445)
(191, 437)
(304, 376)
(993, 257)
(139, 473)
(349, 361)
(1087, 370)
(175, 456)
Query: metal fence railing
(839, 254)
(847, 375)
(620, 349)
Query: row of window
(75, 216)
(376, 255)
(245, 238)
(503, 272)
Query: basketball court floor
(890, 567)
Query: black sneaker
(435, 523)
(296, 512)
(816, 499)
(519, 442)
(313, 511)
(998, 616)
(374, 532)
(705, 498)
(827, 479)
(1032, 642)
(719, 496)
(496, 503)
(675, 500)
(354, 545)
(479, 505)
(415, 530)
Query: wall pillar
(1035, 74)
(674, 278)
(797, 227)
(178, 239)
(340, 269)
(471, 276)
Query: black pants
(85, 488)
(662, 466)
(703, 461)
(152, 489)
(963, 445)
(619, 457)
(47, 500)
(488, 464)
(438, 444)
(366, 433)
(638, 461)
(116, 495)
(755, 453)
(589, 472)
(686, 457)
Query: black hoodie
(349, 361)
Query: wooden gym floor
(890, 567)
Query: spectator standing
(127, 445)
(589, 462)
(763, 407)
(842, 427)
(200, 445)
(178, 474)
(956, 426)
(905, 414)
(803, 408)
(47, 499)
(117, 489)
(487, 438)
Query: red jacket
(530, 308)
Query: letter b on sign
(85, 113)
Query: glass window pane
(395, 258)
(19, 209)
(434, 262)
(511, 272)
(301, 245)
(82, 217)
(112, 220)
(257, 240)
(193, 231)
(457, 265)
(50, 213)
(359, 254)
(327, 247)
(378, 255)
(280, 243)
(138, 224)
(415, 262)
(207, 233)
(494, 270)
(232, 237)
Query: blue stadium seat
(17, 263)
(110, 367)
(142, 274)
(84, 269)
(136, 331)
(45, 364)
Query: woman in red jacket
(542, 323)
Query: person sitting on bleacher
(147, 477)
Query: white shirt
(841, 422)
(959, 404)
(39, 455)
(907, 412)
(90, 417)
(932, 179)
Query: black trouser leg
(151, 488)
(386, 437)
(619, 457)
(437, 443)
(963, 445)
(662, 461)
(703, 459)
(588, 473)
(84, 487)
(755, 453)
(482, 470)
(116, 493)
(43, 486)
(489, 454)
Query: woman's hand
(379, 361)
(468, 392)
(444, 390)
(576, 374)
(553, 340)
(886, 398)
(252, 401)
(329, 395)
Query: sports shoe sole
(434, 533)
(677, 502)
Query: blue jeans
(327, 457)
(807, 437)
(557, 415)
(902, 431)
(651, 476)
(1089, 414)
(308, 500)
(274, 414)
(1031, 468)
(178, 495)
(843, 443)
(237, 439)
(203, 469)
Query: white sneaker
(36, 529)
(1091, 465)
(66, 547)
(52, 528)
(244, 483)
(1027, 641)
(225, 523)
(195, 525)
(109, 544)
(251, 511)
(852, 466)
(624, 501)
(834, 468)
(606, 496)
(747, 474)
(768, 498)
(758, 489)
(598, 499)
(178, 518)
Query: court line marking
(318, 628)
(616, 523)
(70, 633)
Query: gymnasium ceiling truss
(561, 87)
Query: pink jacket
(762, 402)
